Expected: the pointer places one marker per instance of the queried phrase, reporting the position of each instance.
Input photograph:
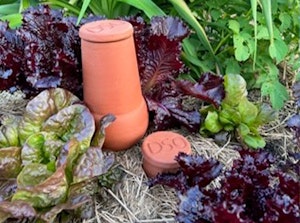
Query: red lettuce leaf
(209, 88)
(11, 57)
(17, 210)
(252, 191)
(296, 93)
(158, 49)
(194, 171)
(7, 188)
(294, 121)
(43, 52)
(167, 107)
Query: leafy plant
(238, 114)
(256, 55)
(251, 191)
(43, 53)
(47, 161)
(294, 121)
(158, 47)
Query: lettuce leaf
(42, 107)
(10, 162)
(49, 192)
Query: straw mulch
(131, 200)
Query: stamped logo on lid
(107, 30)
(110, 26)
(168, 143)
(163, 146)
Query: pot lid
(106, 30)
(160, 148)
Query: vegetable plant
(237, 114)
(251, 191)
(294, 121)
(50, 159)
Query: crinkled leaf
(91, 164)
(10, 162)
(11, 57)
(159, 52)
(248, 111)
(193, 171)
(32, 150)
(51, 52)
(16, 210)
(158, 49)
(99, 137)
(43, 52)
(199, 171)
(41, 107)
(229, 115)
(296, 92)
(191, 208)
(251, 191)
(72, 203)
(9, 135)
(209, 88)
(33, 174)
(7, 188)
(294, 123)
(169, 112)
(72, 121)
(50, 192)
(211, 122)
(235, 89)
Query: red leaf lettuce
(251, 191)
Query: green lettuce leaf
(32, 150)
(211, 122)
(73, 121)
(10, 162)
(229, 115)
(9, 135)
(248, 111)
(33, 174)
(91, 164)
(254, 141)
(51, 191)
(235, 89)
(41, 107)
(72, 203)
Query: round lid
(106, 30)
(161, 148)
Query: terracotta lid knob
(106, 31)
(160, 149)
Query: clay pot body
(111, 81)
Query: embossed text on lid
(106, 30)
(162, 147)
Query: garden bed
(131, 200)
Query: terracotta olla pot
(111, 81)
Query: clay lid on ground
(107, 30)
(160, 149)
